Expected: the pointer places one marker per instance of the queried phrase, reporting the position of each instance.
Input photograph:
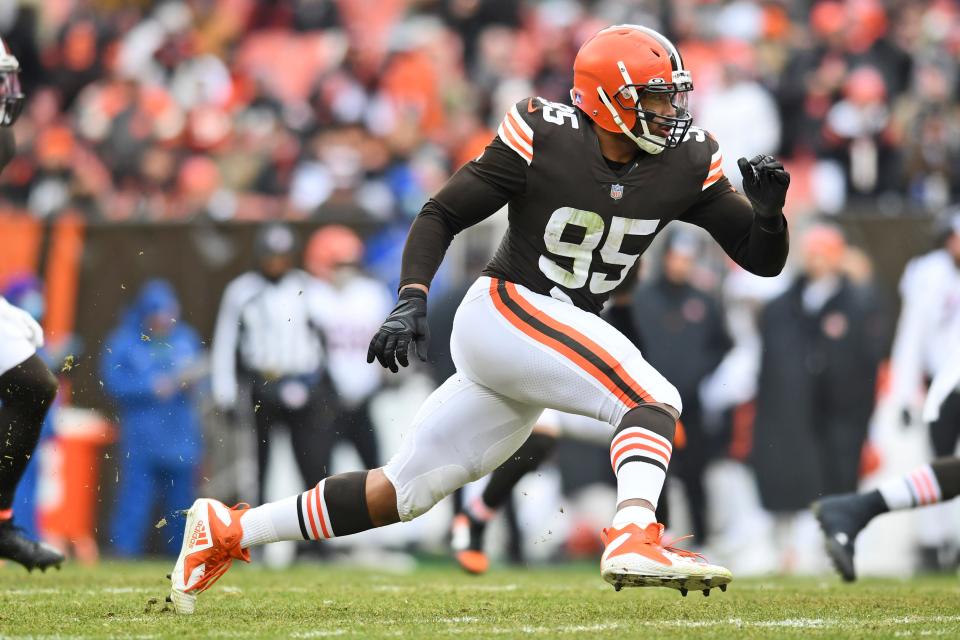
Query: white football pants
(517, 353)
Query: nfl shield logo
(616, 191)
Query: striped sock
(300, 517)
(640, 458)
(917, 488)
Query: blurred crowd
(358, 110)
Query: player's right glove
(406, 323)
(765, 184)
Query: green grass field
(316, 601)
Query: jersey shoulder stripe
(517, 134)
(715, 172)
(715, 168)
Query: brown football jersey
(576, 225)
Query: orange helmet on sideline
(330, 246)
(615, 69)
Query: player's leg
(265, 415)
(462, 432)
(842, 517)
(469, 526)
(935, 536)
(361, 432)
(27, 389)
(568, 364)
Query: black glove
(765, 184)
(406, 323)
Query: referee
(267, 333)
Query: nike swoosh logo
(530, 107)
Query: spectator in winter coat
(822, 341)
(149, 365)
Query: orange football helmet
(616, 69)
(331, 246)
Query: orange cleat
(467, 541)
(211, 541)
(636, 557)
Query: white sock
(919, 487)
(300, 517)
(640, 458)
(640, 516)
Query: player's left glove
(765, 184)
(406, 323)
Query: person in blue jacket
(149, 367)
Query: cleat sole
(683, 592)
(706, 592)
(723, 588)
(680, 582)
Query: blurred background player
(843, 517)
(268, 333)
(353, 306)
(150, 366)
(27, 388)
(927, 329)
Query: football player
(843, 517)
(588, 186)
(27, 388)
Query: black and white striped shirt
(274, 326)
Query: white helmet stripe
(628, 81)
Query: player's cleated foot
(211, 542)
(841, 519)
(466, 539)
(636, 557)
(16, 546)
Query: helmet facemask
(646, 132)
(11, 97)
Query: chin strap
(646, 145)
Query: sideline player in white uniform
(842, 517)
(588, 187)
(27, 388)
